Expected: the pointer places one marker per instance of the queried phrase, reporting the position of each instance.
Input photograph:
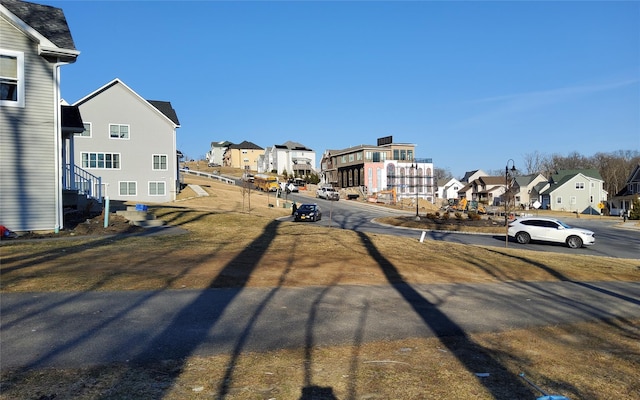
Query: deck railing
(76, 178)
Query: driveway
(94, 328)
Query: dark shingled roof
(48, 21)
(245, 145)
(166, 108)
(71, 119)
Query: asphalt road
(94, 328)
(611, 239)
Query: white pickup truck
(327, 193)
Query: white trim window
(157, 188)
(559, 200)
(100, 160)
(160, 162)
(11, 78)
(127, 188)
(119, 131)
(579, 185)
(87, 131)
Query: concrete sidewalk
(96, 328)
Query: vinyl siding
(149, 133)
(27, 143)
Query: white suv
(327, 193)
(527, 229)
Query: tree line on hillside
(614, 167)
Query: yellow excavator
(384, 196)
(465, 205)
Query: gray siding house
(130, 143)
(35, 42)
(574, 190)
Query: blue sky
(472, 84)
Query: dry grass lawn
(230, 243)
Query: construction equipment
(384, 196)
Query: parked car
(307, 212)
(327, 193)
(527, 229)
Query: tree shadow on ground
(502, 384)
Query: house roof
(71, 119)
(166, 108)
(634, 176)
(224, 143)
(163, 107)
(466, 188)
(525, 180)
(295, 146)
(565, 174)
(48, 21)
(246, 145)
(492, 180)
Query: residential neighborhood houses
(114, 143)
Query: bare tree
(442, 173)
(534, 163)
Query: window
(396, 154)
(157, 189)
(410, 155)
(559, 200)
(11, 78)
(359, 156)
(579, 185)
(101, 160)
(117, 131)
(351, 157)
(86, 132)
(160, 162)
(127, 188)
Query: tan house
(244, 155)
(525, 189)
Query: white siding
(27, 137)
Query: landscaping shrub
(474, 216)
(635, 212)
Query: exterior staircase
(139, 216)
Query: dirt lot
(233, 240)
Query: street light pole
(506, 201)
(415, 181)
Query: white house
(130, 143)
(448, 189)
(215, 156)
(292, 157)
